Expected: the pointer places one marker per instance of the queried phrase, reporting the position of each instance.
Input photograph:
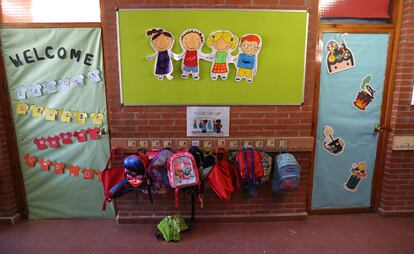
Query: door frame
(393, 31)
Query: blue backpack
(286, 173)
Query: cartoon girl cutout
(162, 41)
(247, 59)
(222, 44)
(191, 41)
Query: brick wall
(246, 121)
(398, 184)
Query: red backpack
(221, 176)
(110, 178)
(250, 166)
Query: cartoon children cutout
(161, 41)
(222, 44)
(358, 172)
(246, 61)
(191, 42)
(332, 145)
(366, 95)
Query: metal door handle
(379, 128)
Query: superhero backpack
(158, 172)
(250, 167)
(183, 173)
(286, 173)
(223, 176)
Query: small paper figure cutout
(64, 85)
(358, 172)
(247, 60)
(50, 86)
(80, 135)
(88, 173)
(97, 118)
(44, 164)
(217, 126)
(94, 76)
(36, 111)
(36, 90)
(66, 138)
(58, 168)
(30, 161)
(334, 146)
(366, 95)
(65, 116)
(21, 108)
(191, 41)
(53, 141)
(50, 114)
(99, 175)
(339, 57)
(222, 44)
(81, 117)
(73, 170)
(94, 133)
(40, 143)
(162, 41)
(21, 93)
(77, 81)
(203, 125)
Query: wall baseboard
(399, 213)
(12, 220)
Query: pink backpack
(182, 172)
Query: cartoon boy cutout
(191, 41)
(162, 41)
(246, 61)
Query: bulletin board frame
(280, 77)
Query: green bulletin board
(281, 68)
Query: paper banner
(59, 168)
(65, 115)
(222, 44)
(161, 41)
(247, 60)
(51, 86)
(66, 138)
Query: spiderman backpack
(251, 168)
(286, 173)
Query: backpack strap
(111, 156)
(176, 197)
(192, 206)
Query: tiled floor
(351, 234)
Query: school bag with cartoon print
(249, 160)
(286, 173)
(267, 166)
(158, 172)
(183, 172)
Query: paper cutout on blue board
(247, 60)
(222, 44)
(366, 95)
(339, 57)
(162, 42)
(332, 145)
(191, 41)
(358, 172)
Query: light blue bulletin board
(281, 65)
(38, 55)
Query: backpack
(158, 172)
(221, 176)
(286, 174)
(250, 167)
(267, 166)
(111, 177)
(183, 172)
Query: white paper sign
(208, 121)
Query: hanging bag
(111, 177)
(286, 173)
(250, 167)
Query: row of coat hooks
(268, 144)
